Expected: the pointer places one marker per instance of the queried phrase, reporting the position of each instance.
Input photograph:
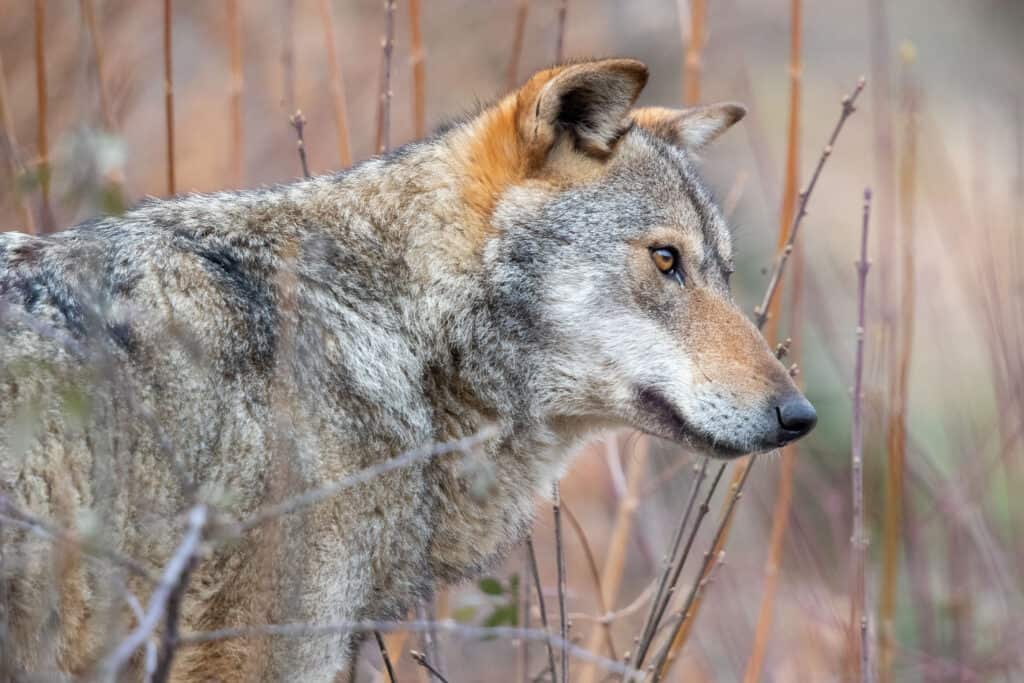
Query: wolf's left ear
(693, 129)
(589, 101)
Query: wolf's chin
(658, 417)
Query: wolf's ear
(693, 129)
(589, 101)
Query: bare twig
(615, 559)
(298, 122)
(761, 312)
(522, 11)
(384, 656)
(12, 515)
(524, 617)
(167, 594)
(235, 89)
(421, 659)
(858, 540)
(563, 11)
(302, 630)
(317, 495)
(682, 628)
(563, 620)
(674, 562)
(540, 602)
(384, 97)
(595, 574)
(425, 613)
(46, 220)
(169, 93)
(416, 59)
(337, 83)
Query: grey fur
(241, 347)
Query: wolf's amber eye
(665, 259)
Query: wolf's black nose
(796, 417)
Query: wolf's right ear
(589, 102)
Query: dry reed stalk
(235, 89)
(337, 84)
(884, 220)
(563, 620)
(694, 45)
(563, 11)
(615, 559)
(46, 220)
(169, 94)
(10, 150)
(532, 557)
(741, 471)
(595, 574)
(421, 659)
(518, 35)
(784, 497)
(416, 58)
(89, 14)
(859, 646)
(384, 97)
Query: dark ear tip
(633, 68)
(734, 111)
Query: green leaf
(506, 615)
(491, 586)
(464, 615)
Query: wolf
(547, 268)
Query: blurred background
(938, 137)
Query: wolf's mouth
(662, 419)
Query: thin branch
(681, 630)
(384, 656)
(12, 515)
(518, 35)
(384, 97)
(563, 619)
(761, 312)
(524, 617)
(858, 540)
(675, 561)
(46, 220)
(416, 59)
(298, 122)
(302, 630)
(322, 493)
(595, 574)
(168, 592)
(540, 602)
(337, 84)
(421, 659)
(169, 93)
(425, 613)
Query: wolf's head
(601, 240)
